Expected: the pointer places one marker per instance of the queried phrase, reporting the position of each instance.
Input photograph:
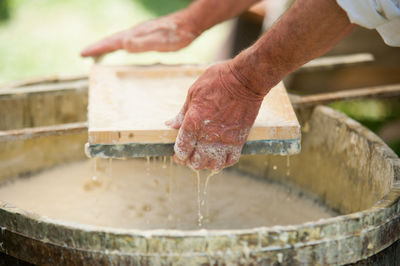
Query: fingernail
(177, 160)
(84, 53)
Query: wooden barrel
(342, 163)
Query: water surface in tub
(135, 194)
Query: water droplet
(288, 165)
(147, 165)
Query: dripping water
(148, 165)
(199, 215)
(205, 195)
(110, 167)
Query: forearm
(203, 14)
(307, 30)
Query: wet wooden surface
(43, 104)
(110, 88)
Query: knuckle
(177, 160)
(180, 152)
(184, 145)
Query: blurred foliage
(4, 10)
(161, 8)
(395, 145)
(373, 114)
(44, 37)
(372, 111)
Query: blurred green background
(381, 116)
(42, 37)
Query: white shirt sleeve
(382, 15)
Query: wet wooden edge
(287, 132)
(131, 150)
(39, 132)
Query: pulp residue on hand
(139, 194)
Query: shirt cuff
(371, 13)
(390, 32)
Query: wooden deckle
(129, 104)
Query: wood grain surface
(129, 104)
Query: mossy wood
(128, 107)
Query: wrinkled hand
(169, 33)
(215, 120)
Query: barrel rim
(339, 228)
(7, 207)
(201, 232)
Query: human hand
(169, 33)
(215, 120)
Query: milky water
(155, 194)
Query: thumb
(177, 121)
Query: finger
(176, 122)
(186, 139)
(184, 146)
(215, 154)
(177, 160)
(232, 157)
(150, 42)
(198, 160)
(107, 45)
(218, 163)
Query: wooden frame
(276, 119)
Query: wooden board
(129, 105)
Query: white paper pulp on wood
(130, 104)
